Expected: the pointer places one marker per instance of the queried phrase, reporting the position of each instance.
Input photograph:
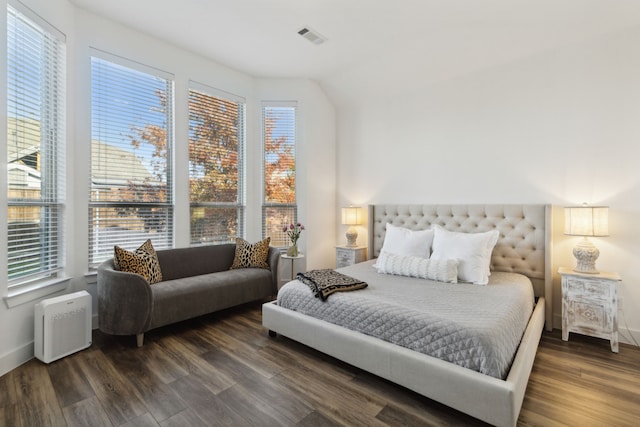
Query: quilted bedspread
(477, 327)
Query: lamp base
(352, 235)
(586, 255)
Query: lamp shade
(586, 221)
(351, 216)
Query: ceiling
(369, 40)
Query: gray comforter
(477, 327)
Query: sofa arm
(273, 259)
(125, 302)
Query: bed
(522, 247)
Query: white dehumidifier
(62, 326)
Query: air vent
(312, 35)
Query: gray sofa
(196, 281)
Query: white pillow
(472, 250)
(402, 241)
(445, 270)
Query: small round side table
(293, 260)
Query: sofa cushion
(142, 261)
(199, 295)
(196, 260)
(251, 255)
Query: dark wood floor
(223, 369)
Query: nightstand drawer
(587, 289)
(589, 316)
(346, 256)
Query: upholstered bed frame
(523, 247)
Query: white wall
(316, 134)
(315, 169)
(16, 324)
(560, 128)
(315, 166)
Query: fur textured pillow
(413, 266)
(142, 261)
(251, 255)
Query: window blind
(216, 163)
(35, 147)
(279, 166)
(131, 188)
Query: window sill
(91, 277)
(35, 291)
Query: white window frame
(240, 203)
(265, 205)
(169, 204)
(51, 279)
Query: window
(279, 144)
(131, 188)
(216, 163)
(35, 148)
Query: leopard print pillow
(251, 255)
(142, 261)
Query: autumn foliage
(216, 133)
(279, 173)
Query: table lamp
(351, 216)
(586, 221)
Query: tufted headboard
(523, 246)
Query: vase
(293, 250)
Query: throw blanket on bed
(325, 282)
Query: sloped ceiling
(370, 42)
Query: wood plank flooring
(224, 370)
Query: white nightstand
(590, 305)
(349, 255)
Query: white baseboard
(15, 358)
(557, 321)
(626, 334)
(21, 355)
